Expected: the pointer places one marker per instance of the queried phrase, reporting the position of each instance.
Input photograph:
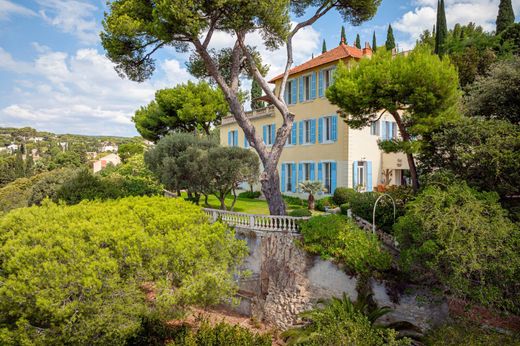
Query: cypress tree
(506, 15)
(343, 36)
(442, 29)
(256, 92)
(323, 47)
(374, 42)
(358, 41)
(390, 40)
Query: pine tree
(506, 15)
(390, 40)
(29, 166)
(442, 29)
(343, 36)
(324, 47)
(256, 92)
(358, 41)
(374, 42)
(19, 169)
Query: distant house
(108, 147)
(36, 139)
(104, 161)
(13, 147)
(91, 154)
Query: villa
(321, 145)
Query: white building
(102, 163)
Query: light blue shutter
(300, 91)
(235, 138)
(283, 177)
(313, 177)
(293, 87)
(264, 129)
(273, 133)
(301, 132)
(286, 94)
(334, 128)
(320, 84)
(294, 185)
(320, 172)
(313, 131)
(320, 130)
(229, 138)
(333, 177)
(383, 135)
(369, 176)
(394, 130)
(293, 133)
(246, 142)
(354, 175)
(313, 86)
(300, 173)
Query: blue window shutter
(229, 138)
(354, 175)
(286, 94)
(235, 141)
(385, 126)
(313, 177)
(293, 133)
(394, 130)
(264, 128)
(334, 128)
(273, 133)
(283, 177)
(293, 87)
(246, 142)
(300, 91)
(333, 177)
(320, 84)
(313, 131)
(300, 172)
(313, 86)
(320, 172)
(294, 185)
(369, 176)
(301, 132)
(320, 130)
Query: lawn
(243, 205)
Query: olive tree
(135, 29)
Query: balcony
(253, 114)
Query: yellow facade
(348, 150)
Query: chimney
(367, 51)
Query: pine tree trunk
(271, 189)
(409, 156)
(311, 204)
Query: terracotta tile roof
(340, 52)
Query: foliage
(374, 42)
(312, 188)
(256, 92)
(460, 332)
(441, 33)
(497, 94)
(343, 36)
(15, 194)
(511, 36)
(127, 150)
(249, 194)
(333, 236)
(48, 185)
(420, 91)
(186, 108)
(341, 322)
(323, 47)
(301, 212)
(506, 15)
(358, 42)
(324, 203)
(464, 239)
(293, 200)
(485, 153)
(343, 195)
(390, 40)
(225, 334)
(89, 262)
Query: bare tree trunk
(222, 199)
(270, 182)
(409, 156)
(311, 202)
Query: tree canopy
(390, 40)
(441, 34)
(506, 15)
(68, 280)
(419, 90)
(185, 108)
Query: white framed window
(307, 166)
(307, 87)
(328, 77)
(269, 140)
(233, 138)
(289, 177)
(307, 126)
(327, 129)
(327, 176)
(289, 88)
(291, 140)
(361, 173)
(374, 128)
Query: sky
(54, 75)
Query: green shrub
(464, 238)
(292, 200)
(341, 322)
(345, 208)
(84, 185)
(225, 334)
(324, 203)
(250, 194)
(74, 274)
(343, 195)
(333, 236)
(302, 212)
(48, 185)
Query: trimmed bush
(302, 212)
(343, 195)
(292, 200)
(225, 334)
(344, 208)
(324, 203)
(465, 240)
(250, 194)
(333, 236)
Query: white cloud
(7, 8)
(481, 12)
(175, 73)
(73, 17)
(78, 93)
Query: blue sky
(54, 75)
